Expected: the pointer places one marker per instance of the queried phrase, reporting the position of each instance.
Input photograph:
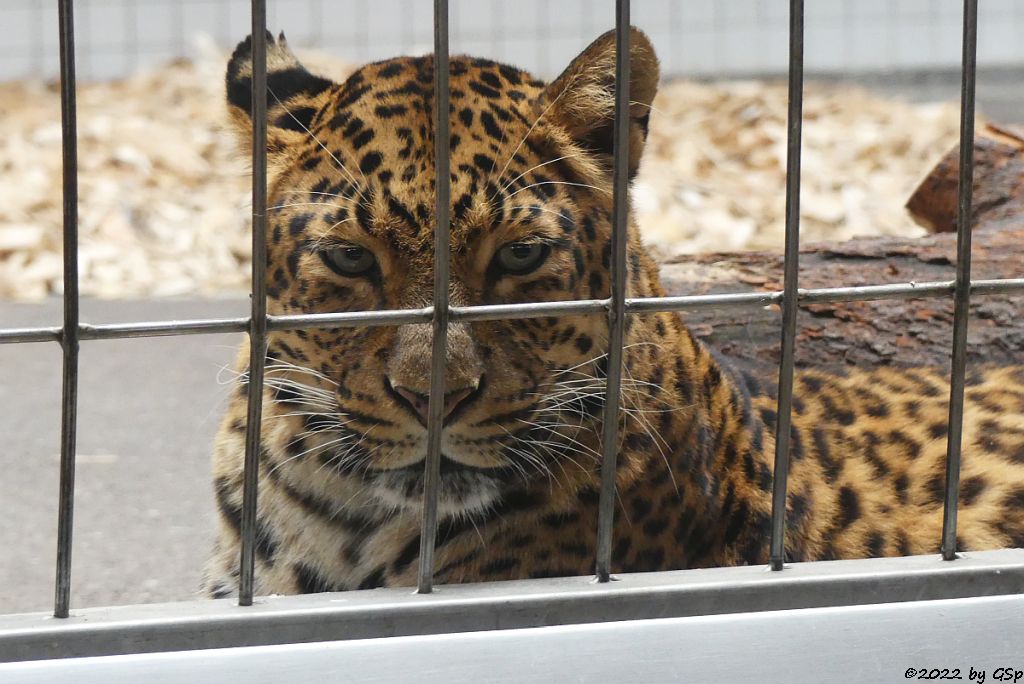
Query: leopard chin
(463, 490)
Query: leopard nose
(419, 402)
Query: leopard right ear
(294, 96)
(582, 99)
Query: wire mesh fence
(703, 38)
(615, 308)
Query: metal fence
(536, 602)
(707, 38)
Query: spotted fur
(351, 169)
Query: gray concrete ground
(1000, 90)
(148, 410)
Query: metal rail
(351, 319)
(382, 613)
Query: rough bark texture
(901, 332)
(998, 188)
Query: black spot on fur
(309, 580)
(481, 89)
(1015, 500)
(370, 162)
(490, 125)
(298, 119)
(648, 560)
(849, 507)
(875, 544)
(363, 139)
(374, 580)
(900, 484)
(297, 224)
(654, 528)
(829, 466)
(499, 566)
(971, 488)
(387, 112)
(936, 488)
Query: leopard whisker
(578, 185)
(533, 168)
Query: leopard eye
(519, 258)
(349, 260)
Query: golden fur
(340, 470)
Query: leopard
(350, 226)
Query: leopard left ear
(294, 96)
(582, 99)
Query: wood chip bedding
(164, 197)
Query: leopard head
(351, 227)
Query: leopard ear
(294, 96)
(582, 99)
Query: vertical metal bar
(258, 320)
(962, 295)
(792, 271)
(617, 305)
(442, 249)
(69, 333)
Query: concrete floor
(999, 90)
(148, 410)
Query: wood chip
(164, 194)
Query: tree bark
(998, 190)
(907, 332)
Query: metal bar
(853, 644)
(508, 605)
(28, 335)
(962, 296)
(69, 332)
(790, 283)
(617, 303)
(442, 254)
(349, 319)
(258, 320)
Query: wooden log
(914, 332)
(998, 183)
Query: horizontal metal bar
(507, 605)
(351, 319)
(494, 312)
(163, 329)
(27, 335)
(854, 644)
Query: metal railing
(883, 579)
